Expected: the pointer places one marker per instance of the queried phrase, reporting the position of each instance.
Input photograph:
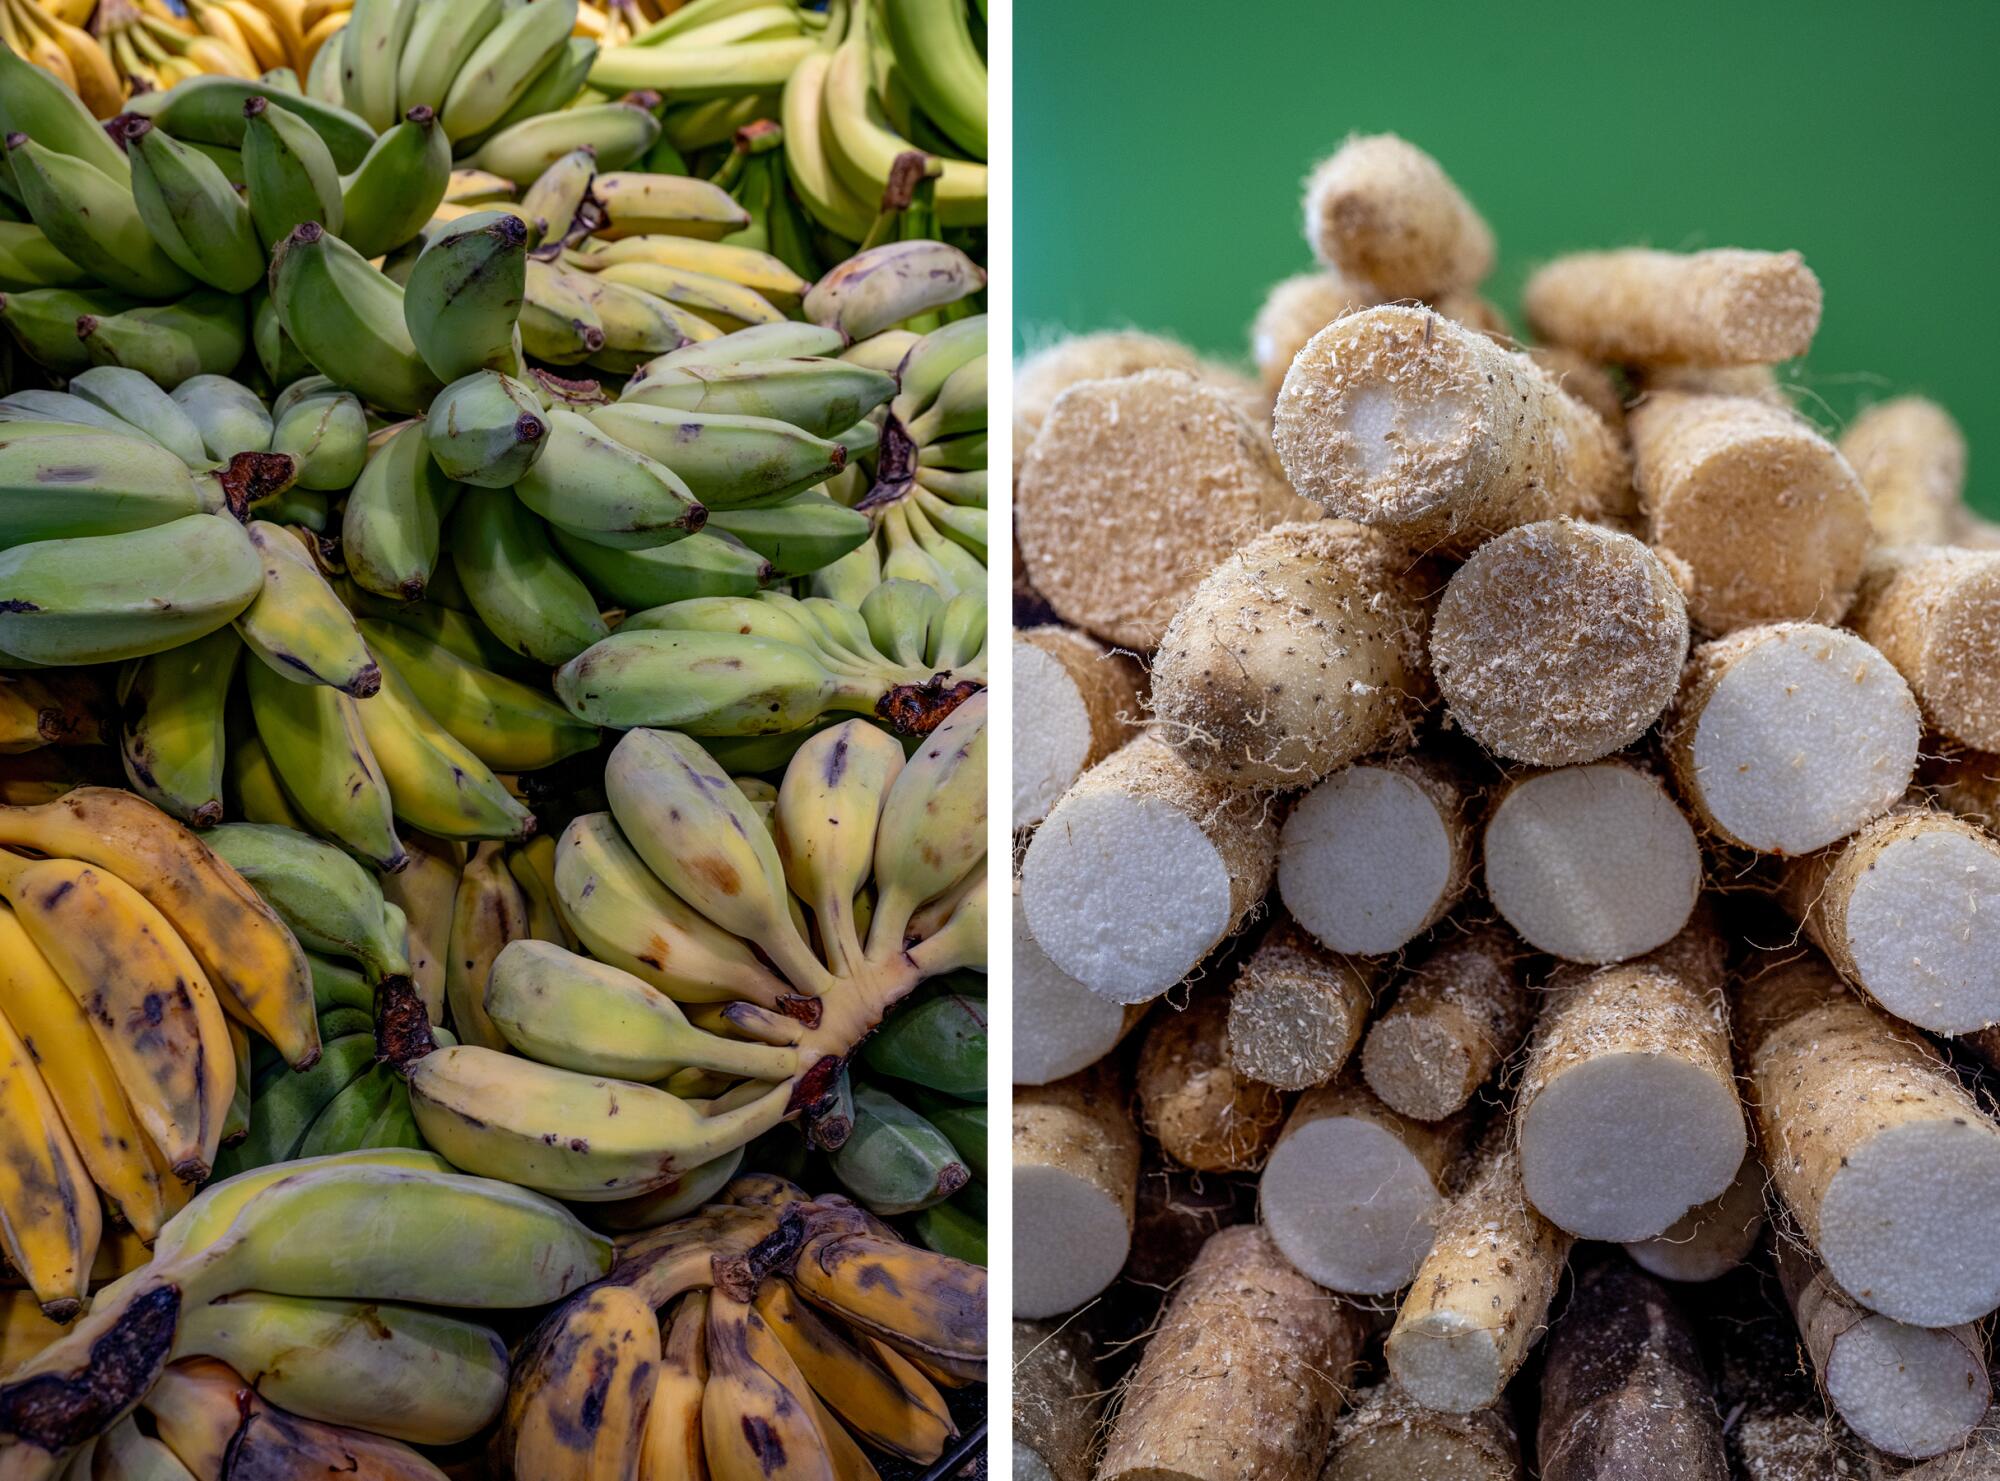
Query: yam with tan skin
(1591, 863)
(1389, 1436)
(1143, 868)
(1711, 1239)
(1106, 356)
(1968, 784)
(1056, 1403)
(1889, 1165)
(1352, 1192)
(1060, 1026)
(1559, 642)
(1585, 379)
(1379, 852)
(1934, 612)
(1403, 419)
(1910, 456)
(1758, 382)
(1481, 1298)
(1301, 652)
(1765, 516)
(1909, 1391)
(1081, 701)
(1294, 311)
(1297, 1010)
(1627, 1113)
(1076, 1175)
(1204, 1112)
(1789, 737)
(1243, 1377)
(1457, 1014)
(1132, 491)
(1624, 1395)
(1381, 210)
(1636, 306)
(1908, 910)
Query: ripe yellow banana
(425, 892)
(488, 911)
(900, 1411)
(582, 1411)
(754, 1388)
(49, 1216)
(145, 995)
(248, 955)
(826, 816)
(435, 782)
(930, 1308)
(672, 1447)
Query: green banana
(956, 1227)
(203, 334)
(708, 564)
(703, 71)
(327, 436)
(390, 531)
(882, 286)
(392, 193)
(932, 360)
(191, 209)
(34, 103)
(371, 55)
(937, 59)
(450, 626)
(363, 1114)
(326, 899)
(291, 174)
(602, 491)
(967, 489)
(559, 323)
(939, 1043)
(229, 416)
(297, 625)
(962, 526)
(81, 481)
(899, 615)
(334, 1023)
(465, 295)
(727, 461)
(502, 721)
(960, 406)
(436, 783)
(174, 737)
(555, 87)
(501, 67)
(43, 323)
(487, 429)
(894, 1161)
(211, 110)
(104, 598)
(529, 599)
(254, 792)
(804, 534)
(551, 203)
(320, 751)
(616, 134)
(347, 319)
(820, 396)
(785, 341)
(440, 39)
(705, 683)
(283, 1111)
(280, 358)
(90, 217)
(849, 579)
(963, 1122)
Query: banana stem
(734, 1057)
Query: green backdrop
(1158, 152)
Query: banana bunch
(806, 1322)
(54, 39)
(153, 47)
(322, 1277)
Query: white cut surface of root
(1367, 861)
(1077, 701)
(1060, 1026)
(1076, 1184)
(1592, 863)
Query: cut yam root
(1388, 1436)
(1301, 652)
(1559, 642)
(1297, 1010)
(1888, 1164)
(1352, 1192)
(1294, 311)
(1908, 910)
(1713, 1238)
(1910, 456)
(1400, 418)
(1381, 210)
(1060, 1026)
(1592, 863)
(1132, 491)
(1456, 1015)
(1244, 1376)
(1640, 307)
(1789, 737)
(1142, 869)
(1482, 1294)
(1768, 522)
(1055, 1404)
(1624, 1395)
(1935, 614)
(1914, 1392)
(1627, 1113)
(1376, 854)
(1076, 1176)
(1080, 701)
(1205, 1113)
(1109, 356)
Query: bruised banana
(882, 286)
(754, 1387)
(425, 892)
(587, 1417)
(49, 1218)
(672, 1445)
(883, 1399)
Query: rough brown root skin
(57, 1412)
(1624, 1396)
(1559, 642)
(1934, 612)
(1766, 518)
(1910, 456)
(1043, 376)
(1076, 1176)
(918, 709)
(1080, 701)
(1713, 1238)
(1204, 1112)
(1294, 311)
(1458, 1013)
(1627, 1114)
(1301, 652)
(1585, 379)
(1056, 1403)
(1888, 1164)
(402, 1024)
(1243, 1377)
(1389, 1436)
(1403, 419)
(1722, 307)
(251, 478)
(1384, 212)
(1297, 1010)
(1133, 490)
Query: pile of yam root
(1507, 902)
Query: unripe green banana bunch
(668, 892)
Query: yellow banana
(827, 813)
(248, 955)
(672, 1447)
(753, 269)
(488, 911)
(930, 1308)
(49, 1217)
(435, 782)
(80, 1079)
(581, 1410)
(901, 1412)
(260, 796)
(425, 892)
(25, 1331)
(297, 625)
(533, 865)
(755, 1390)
